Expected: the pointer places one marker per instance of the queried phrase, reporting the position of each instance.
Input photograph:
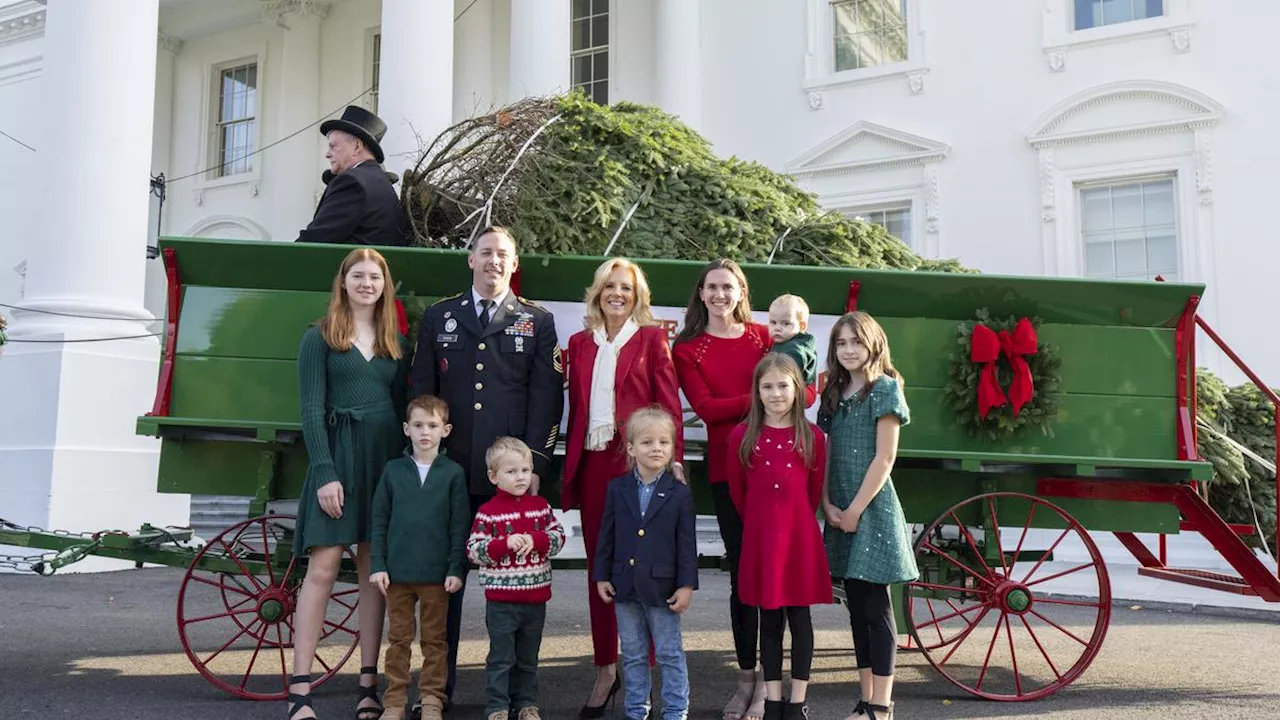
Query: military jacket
(505, 379)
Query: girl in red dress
(776, 466)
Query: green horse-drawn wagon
(1103, 380)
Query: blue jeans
(637, 624)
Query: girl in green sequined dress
(866, 535)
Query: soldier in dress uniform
(495, 359)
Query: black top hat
(363, 124)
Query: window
(869, 33)
(234, 125)
(896, 220)
(1129, 229)
(1097, 13)
(589, 56)
(377, 66)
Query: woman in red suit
(620, 363)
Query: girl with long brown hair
(353, 370)
(776, 476)
(867, 540)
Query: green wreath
(996, 381)
(4, 325)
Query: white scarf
(601, 424)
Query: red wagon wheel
(235, 611)
(980, 610)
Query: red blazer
(645, 376)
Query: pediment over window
(866, 146)
(1125, 109)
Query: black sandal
(299, 701)
(873, 710)
(369, 692)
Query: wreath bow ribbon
(985, 347)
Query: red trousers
(595, 472)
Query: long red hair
(338, 325)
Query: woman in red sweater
(620, 363)
(715, 355)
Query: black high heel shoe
(590, 712)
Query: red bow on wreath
(985, 347)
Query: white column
(69, 456)
(678, 54)
(98, 91)
(539, 63)
(415, 89)
(300, 66)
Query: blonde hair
(642, 313)
(792, 302)
(778, 362)
(338, 325)
(645, 418)
(879, 361)
(506, 446)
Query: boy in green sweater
(421, 517)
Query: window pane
(846, 54)
(846, 18)
(581, 34)
(1162, 254)
(599, 30)
(600, 93)
(1096, 209)
(1157, 200)
(898, 223)
(1131, 253)
(581, 8)
(1114, 11)
(581, 69)
(600, 7)
(601, 66)
(1099, 258)
(1126, 206)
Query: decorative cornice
(171, 43)
(275, 11)
(916, 150)
(1202, 111)
(27, 68)
(22, 22)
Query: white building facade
(1101, 138)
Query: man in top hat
(359, 205)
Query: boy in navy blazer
(647, 564)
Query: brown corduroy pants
(433, 610)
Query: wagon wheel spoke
(1027, 663)
(1055, 576)
(1040, 647)
(1022, 538)
(994, 531)
(249, 670)
(965, 635)
(207, 581)
(217, 616)
(930, 546)
(974, 546)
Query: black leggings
(744, 619)
(875, 638)
(772, 624)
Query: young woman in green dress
(866, 535)
(353, 370)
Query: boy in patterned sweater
(512, 540)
